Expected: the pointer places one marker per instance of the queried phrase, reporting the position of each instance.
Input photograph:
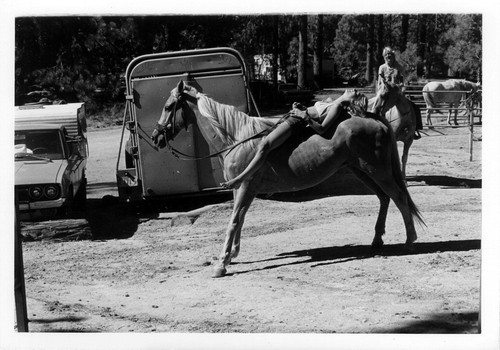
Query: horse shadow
(444, 323)
(342, 254)
(345, 183)
(446, 181)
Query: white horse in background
(446, 95)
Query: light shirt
(394, 74)
(322, 108)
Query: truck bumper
(42, 205)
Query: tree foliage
(84, 58)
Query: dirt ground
(306, 265)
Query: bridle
(162, 130)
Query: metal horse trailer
(151, 172)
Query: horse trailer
(151, 172)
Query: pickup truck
(51, 153)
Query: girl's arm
(333, 112)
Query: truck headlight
(36, 192)
(51, 191)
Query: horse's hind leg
(384, 206)
(393, 185)
(428, 120)
(404, 157)
(399, 194)
(242, 200)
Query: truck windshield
(38, 144)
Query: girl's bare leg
(275, 139)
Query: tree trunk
(63, 230)
(318, 53)
(369, 74)
(380, 41)
(422, 39)
(276, 50)
(302, 59)
(404, 32)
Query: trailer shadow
(110, 219)
(336, 255)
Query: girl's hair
(359, 105)
(387, 50)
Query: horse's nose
(154, 135)
(158, 139)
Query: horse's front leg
(242, 200)
(237, 238)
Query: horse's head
(386, 98)
(177, 114)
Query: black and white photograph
(261, 177)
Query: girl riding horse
(320, 117)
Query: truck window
(46, 143)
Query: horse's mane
(229, 123)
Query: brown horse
(364, 145)
(448, 95)
(402, 114)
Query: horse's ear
(180, 86)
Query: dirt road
(306, 266)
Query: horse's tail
(428, 97)
(398, 177)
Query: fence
(470, 105)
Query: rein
(183, 156)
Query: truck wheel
(65, 211)
(80, 199)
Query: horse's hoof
(219, 272)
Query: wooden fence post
(19, 287)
